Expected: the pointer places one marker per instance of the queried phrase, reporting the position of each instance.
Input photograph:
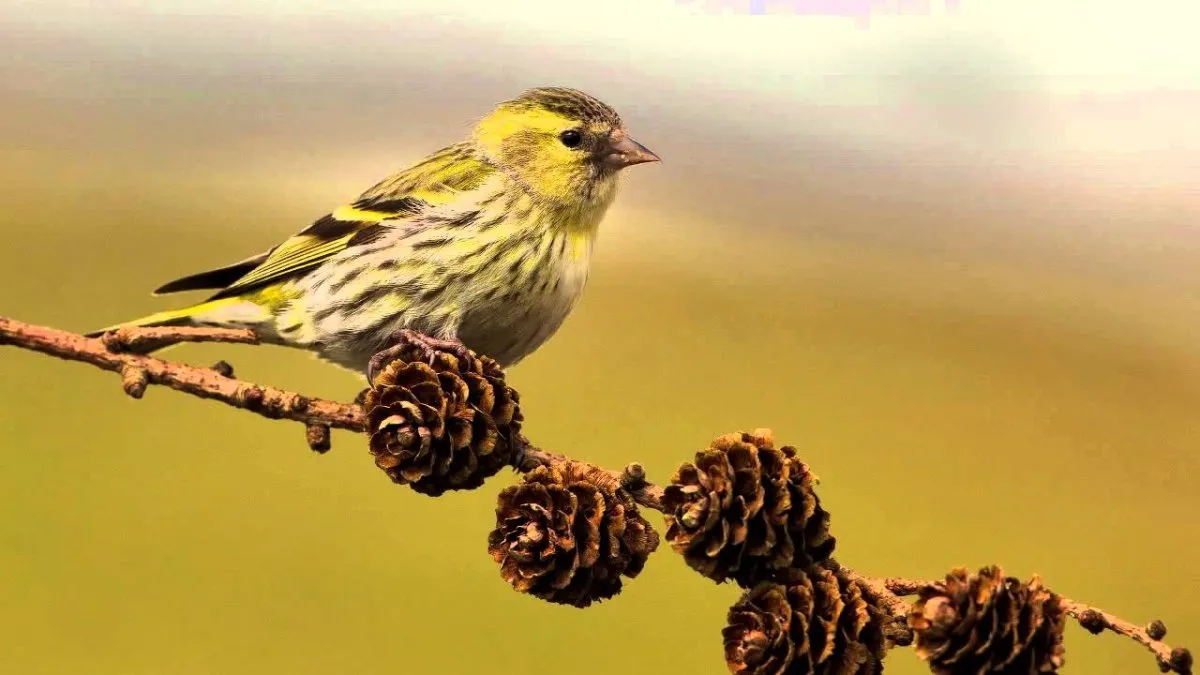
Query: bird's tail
(221, 313)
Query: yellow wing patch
(436, 180)
(351, 213)
(295, 254)
(324, 239)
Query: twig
(137, 372)
(643, 492)
(901, 586)
(1095, 621)
(134, 339)
(877, 591)
(110, 352)
(1177, 660)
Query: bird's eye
(571, 138)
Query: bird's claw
(404, 340)
(380, 360)
(431, 345)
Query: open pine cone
(563, 537)
(447, 425)
(817, 623)
(746, 510)
(988, 624)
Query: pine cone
(818, 623)
(444, 426)
(988, 623)
(746, 510)
(563, 537)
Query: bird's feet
(406, 343)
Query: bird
(483, 245)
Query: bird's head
(561, 143)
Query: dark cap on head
(570, 103)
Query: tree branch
(112, 352)
(138, 371)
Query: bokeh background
(952, 256)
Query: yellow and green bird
(485, 243)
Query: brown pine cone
(746, 510)
(988, 623)
(444, 426)
(817, 623)
(564, 537)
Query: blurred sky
(952, 255)
(1068, 109)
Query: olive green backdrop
(965, 292)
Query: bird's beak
(623, 151)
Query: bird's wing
(436, 180)
(217, 278)
(305, 250)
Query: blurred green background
(951, 258)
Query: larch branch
(114, 352)
(138, 371)
(1093, 620)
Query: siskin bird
(483, 244)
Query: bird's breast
(541, 285)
